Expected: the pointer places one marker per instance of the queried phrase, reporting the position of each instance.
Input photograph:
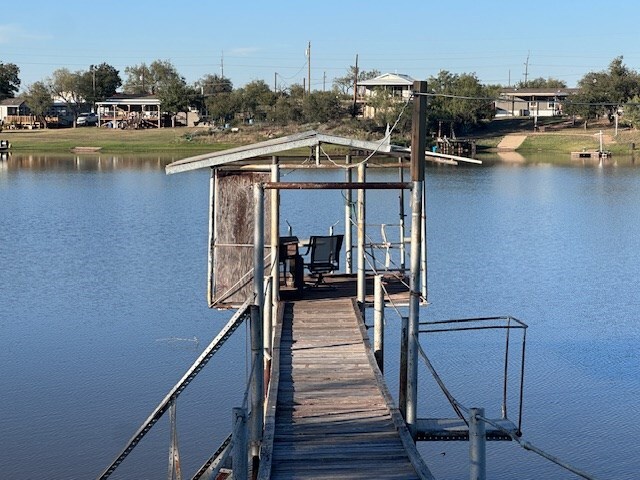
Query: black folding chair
(325, 256)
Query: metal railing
(475, 418)
(179, 387)
(506, 323)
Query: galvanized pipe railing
(179, 387)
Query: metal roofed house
(398, 85)
(130, 111)
(532, 102)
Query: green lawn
(168, 140)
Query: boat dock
(329, 413)
(316, 404)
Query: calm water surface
(103, 267)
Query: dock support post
(477, 445)
(348, 230)
(273, 294)
(362, 280)
(403, 234)
(423, 246)
(378, 322)
(240, 453)
(418, 143)
(257, 352)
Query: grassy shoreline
(193, 141)
(164, 140)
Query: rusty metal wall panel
(232, 220)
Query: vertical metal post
(402, 382)
(378, 322)
(403, 247)
(272, 299)
(240, 453)
(175, 471)
(362, 285)
(257, 353)
(213, 194)
(477, 445)
(348, 230)
(423, 245)
(414, 309)
(418, 139)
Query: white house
(399, 86)
(532, 102)
(136, 111)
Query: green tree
(66, 86)
(214, 84)
(540, 82)
(321, 107)
(604, 92)
(209, 86)
(175, 96)
(459, 99)
(147, 80)
(256, 98)
(345, 84)
(9, 80)
(632, 112)
(38, 98)
(99, 83)
(222, 106)
(286, 109)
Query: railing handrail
(179, 387)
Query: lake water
(103, 269)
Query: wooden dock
(329, 413)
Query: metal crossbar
(179, 387)
(471, 324)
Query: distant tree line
(456, 101)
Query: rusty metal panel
(231, 247)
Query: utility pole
(309, 67)
(355, 88)
(275, 82)
(222, 63)
(93, 73)
(526, 70)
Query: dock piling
(378, 322)
(240, 453)
(477, 445)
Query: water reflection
(91, 162)
(97, 162)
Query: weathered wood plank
(331, 417)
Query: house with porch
(13, 112)
(397, 86)
(129, 111)
(532, 102)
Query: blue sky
(564, 39)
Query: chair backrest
(325, 253)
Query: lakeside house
(397, 86)
(129, 111)
(532, 102)
(15, 113)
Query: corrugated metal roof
(129, 99)
(388, 79)
(538, 91)
(282, 144)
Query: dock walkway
(329, 412)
